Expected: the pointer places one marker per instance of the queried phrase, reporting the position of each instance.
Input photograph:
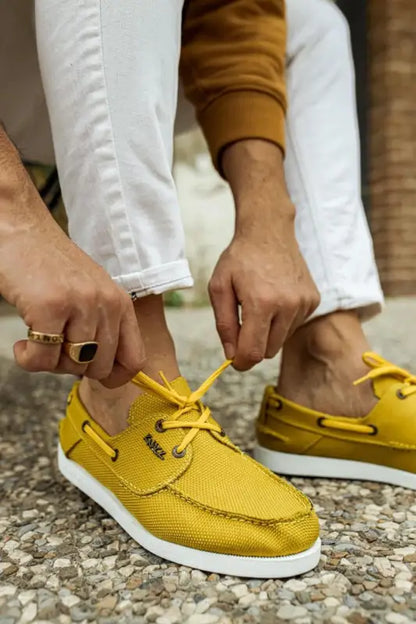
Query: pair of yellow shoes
(176, 483)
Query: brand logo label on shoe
(154, 446)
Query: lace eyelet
(276, 404)
(159, 426)
(320, 421)
(115, 456)
(84, 424)
(176, 454)
(222, 433)
(375, 430)
(400, 395)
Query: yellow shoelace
(380, 368)
(185, 405)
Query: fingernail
(229, 351)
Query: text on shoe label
(154, 446)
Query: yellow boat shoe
(177, 485)
(380, 447)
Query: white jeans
(110, 73)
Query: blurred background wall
(391, 43)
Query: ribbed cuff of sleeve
(242, 115)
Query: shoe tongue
(382, 384)
(181, 386)
(150, 404)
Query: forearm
(21, 207)
(254, 169)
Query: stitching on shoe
(241, 518)
(273, 477)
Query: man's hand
(262, 270)
(56, 288)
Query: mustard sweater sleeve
(232, 68)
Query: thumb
(19, 350)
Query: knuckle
(266, 299)
(224, 328)
(55, 304)
(294, 301)
(316, 300)
(216, 287)
(102, 372)
(111, 300)
(136, 364)
(132, 362)
(87, 296)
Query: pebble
(245, 601)
(108, 603)
(397, 618)
(29, 613)
(8, 590)
(202, 618)
(403, 585)
(239, 590)
(104, 588)
(7, 568)
(198, 577)
(70, 601)
(61, 563)
(291, 612)
(204, 604)
(295, 585)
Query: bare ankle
(332, 337)
(321, 361)
(110, 408)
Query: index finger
(252, 339)
(130, 355)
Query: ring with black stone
(81, 352)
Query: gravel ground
(63, 560)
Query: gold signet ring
(81, 352)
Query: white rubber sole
(253, 567)
(328, 467)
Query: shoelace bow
(185, 404)
(382, 368)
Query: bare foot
(321, 361)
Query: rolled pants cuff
(156, 280)
(367, 304)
